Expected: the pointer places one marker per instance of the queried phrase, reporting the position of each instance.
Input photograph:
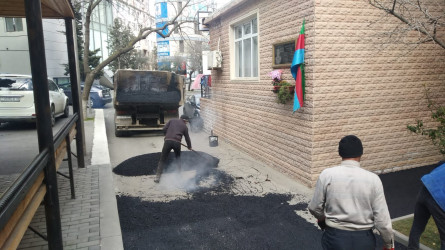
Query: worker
(173, 131)
(430, 202)
(349, 202)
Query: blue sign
(163, 54)
(164, 31)
(161, 10)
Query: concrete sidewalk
(90, 221)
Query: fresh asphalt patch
(401, 189)
(146, 164)
(216, 221)
(213, 216)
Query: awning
(50, 8)
(197, 83)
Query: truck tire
(118, 133)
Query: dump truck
(146, 100)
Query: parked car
(99, 95)
(17, 99)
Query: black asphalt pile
(146, 164)
(222, 221)
(401, 189)
(214, 217)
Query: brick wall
(354, 85)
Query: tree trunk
(86, 92)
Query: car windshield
(14, 83)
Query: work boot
(157, 179)
(159, 171)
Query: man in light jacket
(349, 202)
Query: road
(18, 148)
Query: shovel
(210, 161)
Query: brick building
(355, 84)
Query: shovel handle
(191, 149)
(187, 147)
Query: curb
(403, 239)
(110, 229)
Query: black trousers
(426, 207)
(337, 239)
(168, 146)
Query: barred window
(13, 24)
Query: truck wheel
(92, 103)
(118, 133)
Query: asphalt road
(19, 145)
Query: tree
(415, 16)
(79, 37)
(120, 36)
(195, 59)
(427, 19)
(436, 135)
(174, 23)
(93, 58)
(153, 59)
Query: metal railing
(16, 193)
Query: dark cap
(350, 146)
(184, 117)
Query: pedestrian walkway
(90, 221)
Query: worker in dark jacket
(430, 202)
(173, 130)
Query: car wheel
(92, 103)
(66, 111)
(53, 116)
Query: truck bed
(147, 87)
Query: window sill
(246, 79)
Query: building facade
(14, 50)
(183, 48)
(355, 84)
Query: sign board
(201, 18)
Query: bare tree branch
(143, 33)
(416, 16)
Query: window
(52, 86)
(13, 24)
(246, 48)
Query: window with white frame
(246, 48)
(13, 24)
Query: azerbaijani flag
(297, 70)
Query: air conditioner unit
(214, 59)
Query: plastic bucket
(213, 140)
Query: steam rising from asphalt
(194, 174)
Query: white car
(17, 99)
